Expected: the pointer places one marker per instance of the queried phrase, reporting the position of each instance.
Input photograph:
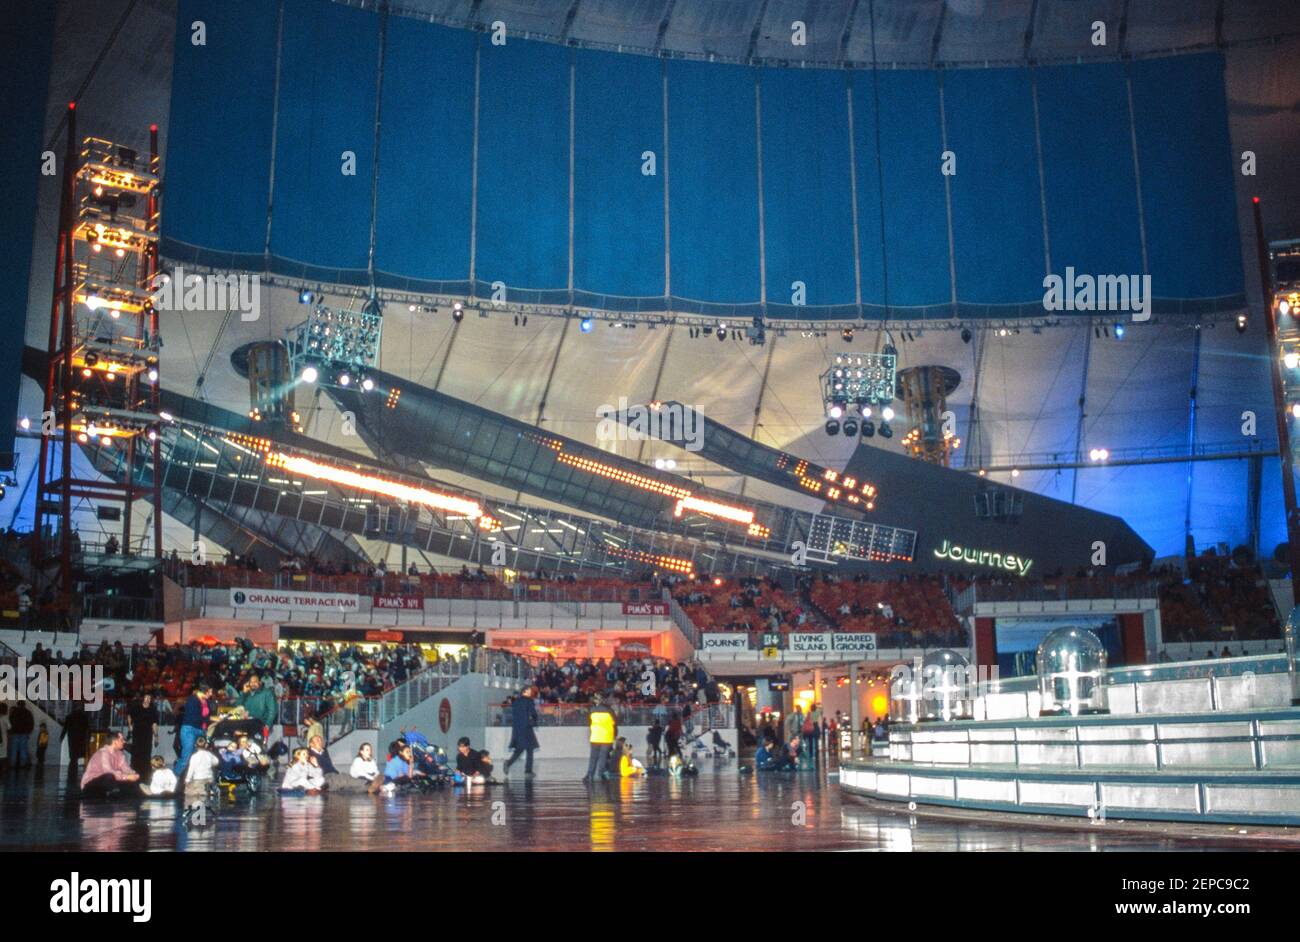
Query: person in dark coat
(144, 721)
(76, 730)
(523, 717)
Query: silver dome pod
(1291, 633)
(904, 695)
(1071, 665)
(946, 687)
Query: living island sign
(978, 557)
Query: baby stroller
(239, 774)
(432, 761)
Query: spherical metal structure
(1071, 668)
(946, 687)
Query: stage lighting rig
(346, 340)
(855, 383)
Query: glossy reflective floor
(718, 810)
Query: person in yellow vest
(604, 730)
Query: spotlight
(152, 433)
(305, 296)
(153, 376)
(660, 464)
(1015, 472)
(868, 428)
(850, 428)
(1119, 331)
(344, 379)
(585, 325)
(722, 331)
(887, 414)
(1241, 323)
(1284, 308)
(106, 441)
(835, 411)
(832, 427)
(458, 312)
(309, 374)
(1292, 360)
(965, 335)
(411, 308)
(847, 334)
(669, 463)
(24, 423)
(367, 384)
(886, 431)
(1295, 411)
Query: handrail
(704, 717)
(424, 585)
(1174, 670)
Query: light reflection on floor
(718, 810)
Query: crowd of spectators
(747, 604)
(327, 674)
(912, 611)
(1219, 599)
(623, 681)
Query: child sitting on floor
(303, 776)
(162, 781)
(629, 765)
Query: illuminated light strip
(626, 477)
(368, 482)
(667, 562)
(685, 500)
(711, 508)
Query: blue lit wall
(26, 44)
(760, 168)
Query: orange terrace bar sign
(977, 557)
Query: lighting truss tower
(102, 387)
(1279, 264)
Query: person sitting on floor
(628, 765)
(322, 755)
(163, 780)
(303, 775)
(771, 757)
(109, 771)
(400, 768)
(363, 766)
(472, 766)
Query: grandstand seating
(745, 605)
